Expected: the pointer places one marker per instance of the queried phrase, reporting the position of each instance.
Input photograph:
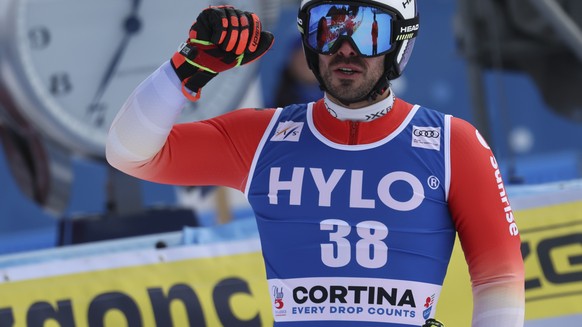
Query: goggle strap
(302, 23)
(405, 29)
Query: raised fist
(221, 38)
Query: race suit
(357, 210)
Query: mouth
(347, 70)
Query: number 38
(371, 251)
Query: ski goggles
(371, 30)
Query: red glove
(221, 38)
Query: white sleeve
(141, 127)
(499, 304)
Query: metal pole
(562, 23)
(475, 72)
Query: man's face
(347, 76)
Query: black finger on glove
(233, 31)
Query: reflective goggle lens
(369, 28)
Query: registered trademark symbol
(433, 182)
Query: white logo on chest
(426, 137)
(326, 185)
(289, 131)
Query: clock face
(70, 64)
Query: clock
(70, 64)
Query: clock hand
(131, 26)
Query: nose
(346, 49)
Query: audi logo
(426, 133)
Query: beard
(349, 90)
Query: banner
(551, 244)
(223, 283)
(217, 285)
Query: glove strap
(192, 75)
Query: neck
(364, 113)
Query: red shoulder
(480, 207)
